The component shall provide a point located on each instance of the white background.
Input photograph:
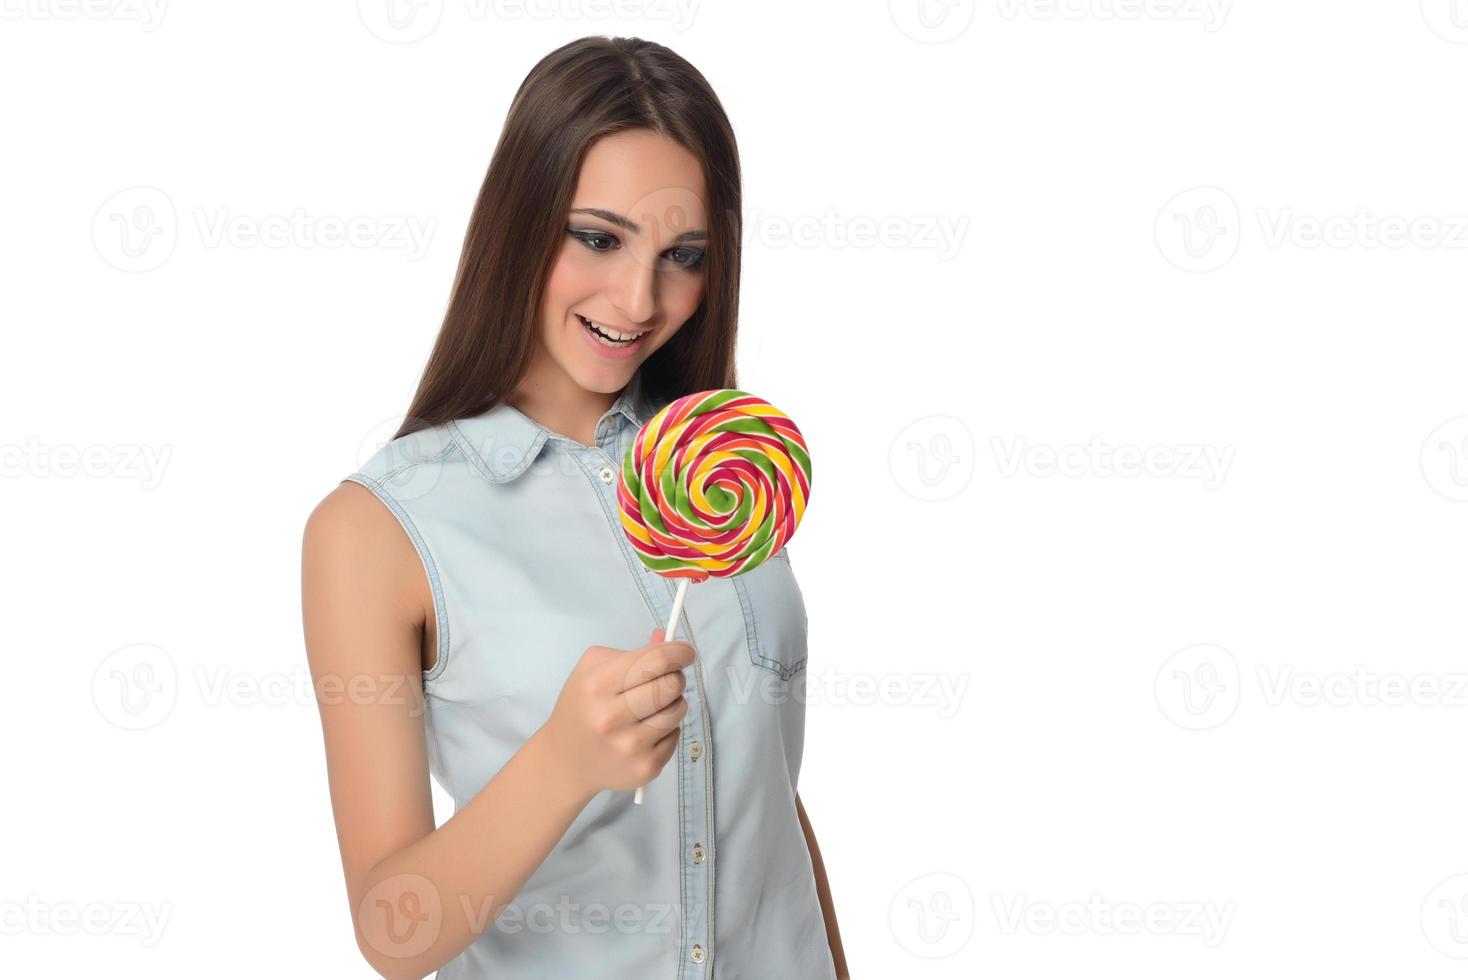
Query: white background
(1203, 719)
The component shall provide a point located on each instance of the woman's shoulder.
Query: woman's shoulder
(392, 462)
(358, 544)
(351, 522)
(357, 530)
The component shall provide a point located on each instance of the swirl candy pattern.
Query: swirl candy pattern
(713, 485)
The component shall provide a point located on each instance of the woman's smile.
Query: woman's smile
(610, 342)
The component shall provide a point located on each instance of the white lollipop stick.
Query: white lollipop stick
(668, 635)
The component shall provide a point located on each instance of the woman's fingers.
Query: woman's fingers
(647, 699)
(667, 719)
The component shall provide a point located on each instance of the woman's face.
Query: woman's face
(630, 261)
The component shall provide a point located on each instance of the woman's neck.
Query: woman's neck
(556, 401)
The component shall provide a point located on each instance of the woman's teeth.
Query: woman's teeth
(606, 335)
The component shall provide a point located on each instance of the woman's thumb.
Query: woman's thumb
(657, 635)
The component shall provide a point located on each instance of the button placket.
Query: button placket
(700, 802)
(695, 782)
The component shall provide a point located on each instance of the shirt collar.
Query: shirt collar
(502, 442)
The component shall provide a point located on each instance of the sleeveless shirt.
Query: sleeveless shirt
(518, 532)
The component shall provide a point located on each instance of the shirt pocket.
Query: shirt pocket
(775, 624)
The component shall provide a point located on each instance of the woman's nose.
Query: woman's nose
(633, 291)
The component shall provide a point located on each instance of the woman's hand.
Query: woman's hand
(617, 719)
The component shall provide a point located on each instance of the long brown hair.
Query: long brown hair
(580, 92)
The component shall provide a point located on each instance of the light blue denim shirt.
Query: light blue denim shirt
(710, 877)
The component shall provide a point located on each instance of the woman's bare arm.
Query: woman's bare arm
(419, 895)
(823, 889)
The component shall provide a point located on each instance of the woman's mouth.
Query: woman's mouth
(607, 338)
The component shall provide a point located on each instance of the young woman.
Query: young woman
(473, 609)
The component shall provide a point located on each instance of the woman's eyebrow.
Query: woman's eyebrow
(633, 226)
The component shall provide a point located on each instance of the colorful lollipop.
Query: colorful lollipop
(713, 485)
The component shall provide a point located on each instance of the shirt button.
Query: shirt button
(695, 750)
(698, 854)
(697, 953)
(607, 474)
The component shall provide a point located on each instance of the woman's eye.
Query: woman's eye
(589, 238)
(691, 257)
